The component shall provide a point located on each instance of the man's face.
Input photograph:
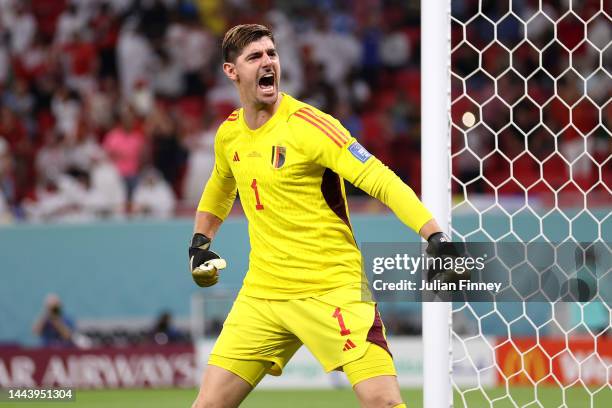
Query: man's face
(256, 72)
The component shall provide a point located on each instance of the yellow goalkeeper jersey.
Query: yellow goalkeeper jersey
(289, 173)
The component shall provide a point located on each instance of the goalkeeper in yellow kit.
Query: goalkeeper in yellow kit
(288, 160)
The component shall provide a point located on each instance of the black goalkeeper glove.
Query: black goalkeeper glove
(440, 246)
(204, 263)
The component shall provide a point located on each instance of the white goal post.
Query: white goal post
(435, 185)
(516, 108)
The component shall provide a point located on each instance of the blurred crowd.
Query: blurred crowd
(108, 108)
(537, 74)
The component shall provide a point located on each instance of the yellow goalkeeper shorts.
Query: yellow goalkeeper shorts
(260, 336)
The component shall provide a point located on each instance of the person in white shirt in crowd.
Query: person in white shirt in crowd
(199, 141)
(69, 23)
(83, 148)
(22, 28)
(64, 198)
(193, 47)
(135, 57)
(168, 78)
(142, 98)
(285, 39)
(153, 196)
(66, 109)
(100, 104)
(52, 158)
(338, 52)
(108, 194)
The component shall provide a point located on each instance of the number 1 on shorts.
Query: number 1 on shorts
(343, 330)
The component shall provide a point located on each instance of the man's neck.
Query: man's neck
(256, 116)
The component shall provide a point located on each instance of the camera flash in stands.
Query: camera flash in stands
(468, 119)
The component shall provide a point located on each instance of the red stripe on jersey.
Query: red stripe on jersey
(233, 116)
(312, 122)
(325, 122)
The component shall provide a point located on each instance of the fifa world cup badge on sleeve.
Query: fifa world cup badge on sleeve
(359, 152)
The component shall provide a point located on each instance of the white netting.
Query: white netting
(534, 167)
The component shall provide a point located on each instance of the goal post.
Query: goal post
(436, 193)
(515, 115)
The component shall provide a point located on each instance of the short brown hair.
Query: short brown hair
(238, 37)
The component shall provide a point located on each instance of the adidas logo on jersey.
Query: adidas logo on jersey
(348, 345)
(236, 158)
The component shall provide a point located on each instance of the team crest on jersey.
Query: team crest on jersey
(278, 156)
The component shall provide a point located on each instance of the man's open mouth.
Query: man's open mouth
(266, 82)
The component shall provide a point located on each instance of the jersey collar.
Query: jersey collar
(270, 123)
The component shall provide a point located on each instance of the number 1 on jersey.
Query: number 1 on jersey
(343, 330)
(258, 205)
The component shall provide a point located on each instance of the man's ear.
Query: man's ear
(230, 71)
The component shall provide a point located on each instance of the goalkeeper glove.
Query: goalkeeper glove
(204, 263)
(439, 245)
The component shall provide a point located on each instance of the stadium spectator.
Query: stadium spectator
(168, 78)
(338, 52)
(106, 27)
(394, 48)
(64, 198)
(22, 28)
(100, 104)
(6, 184)
(141, 98)
(66, 108)
(5, 65)
(153, 196)
(52, 157)
(125, 146)
(69, 24)
(73, 61)
(135, 56)
(167, 153)
(54, 328)
(164, 332)
(199, 141)
(83, 148)
(81, 60)
(193, 48)
(108, 193)
(286, 38)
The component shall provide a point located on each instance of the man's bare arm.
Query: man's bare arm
(430, 227)
(206, 223)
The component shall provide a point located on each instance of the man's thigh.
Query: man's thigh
(374, 379)
(337, 327)
(380, 391)
(253, 342)
(221, 388)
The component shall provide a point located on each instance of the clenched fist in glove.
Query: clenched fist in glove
(440, 246)
(204, 263)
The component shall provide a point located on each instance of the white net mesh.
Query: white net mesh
(535, 166)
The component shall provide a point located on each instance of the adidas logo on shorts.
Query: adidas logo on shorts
(348, 345)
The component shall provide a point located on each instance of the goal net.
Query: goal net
(534, 166)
